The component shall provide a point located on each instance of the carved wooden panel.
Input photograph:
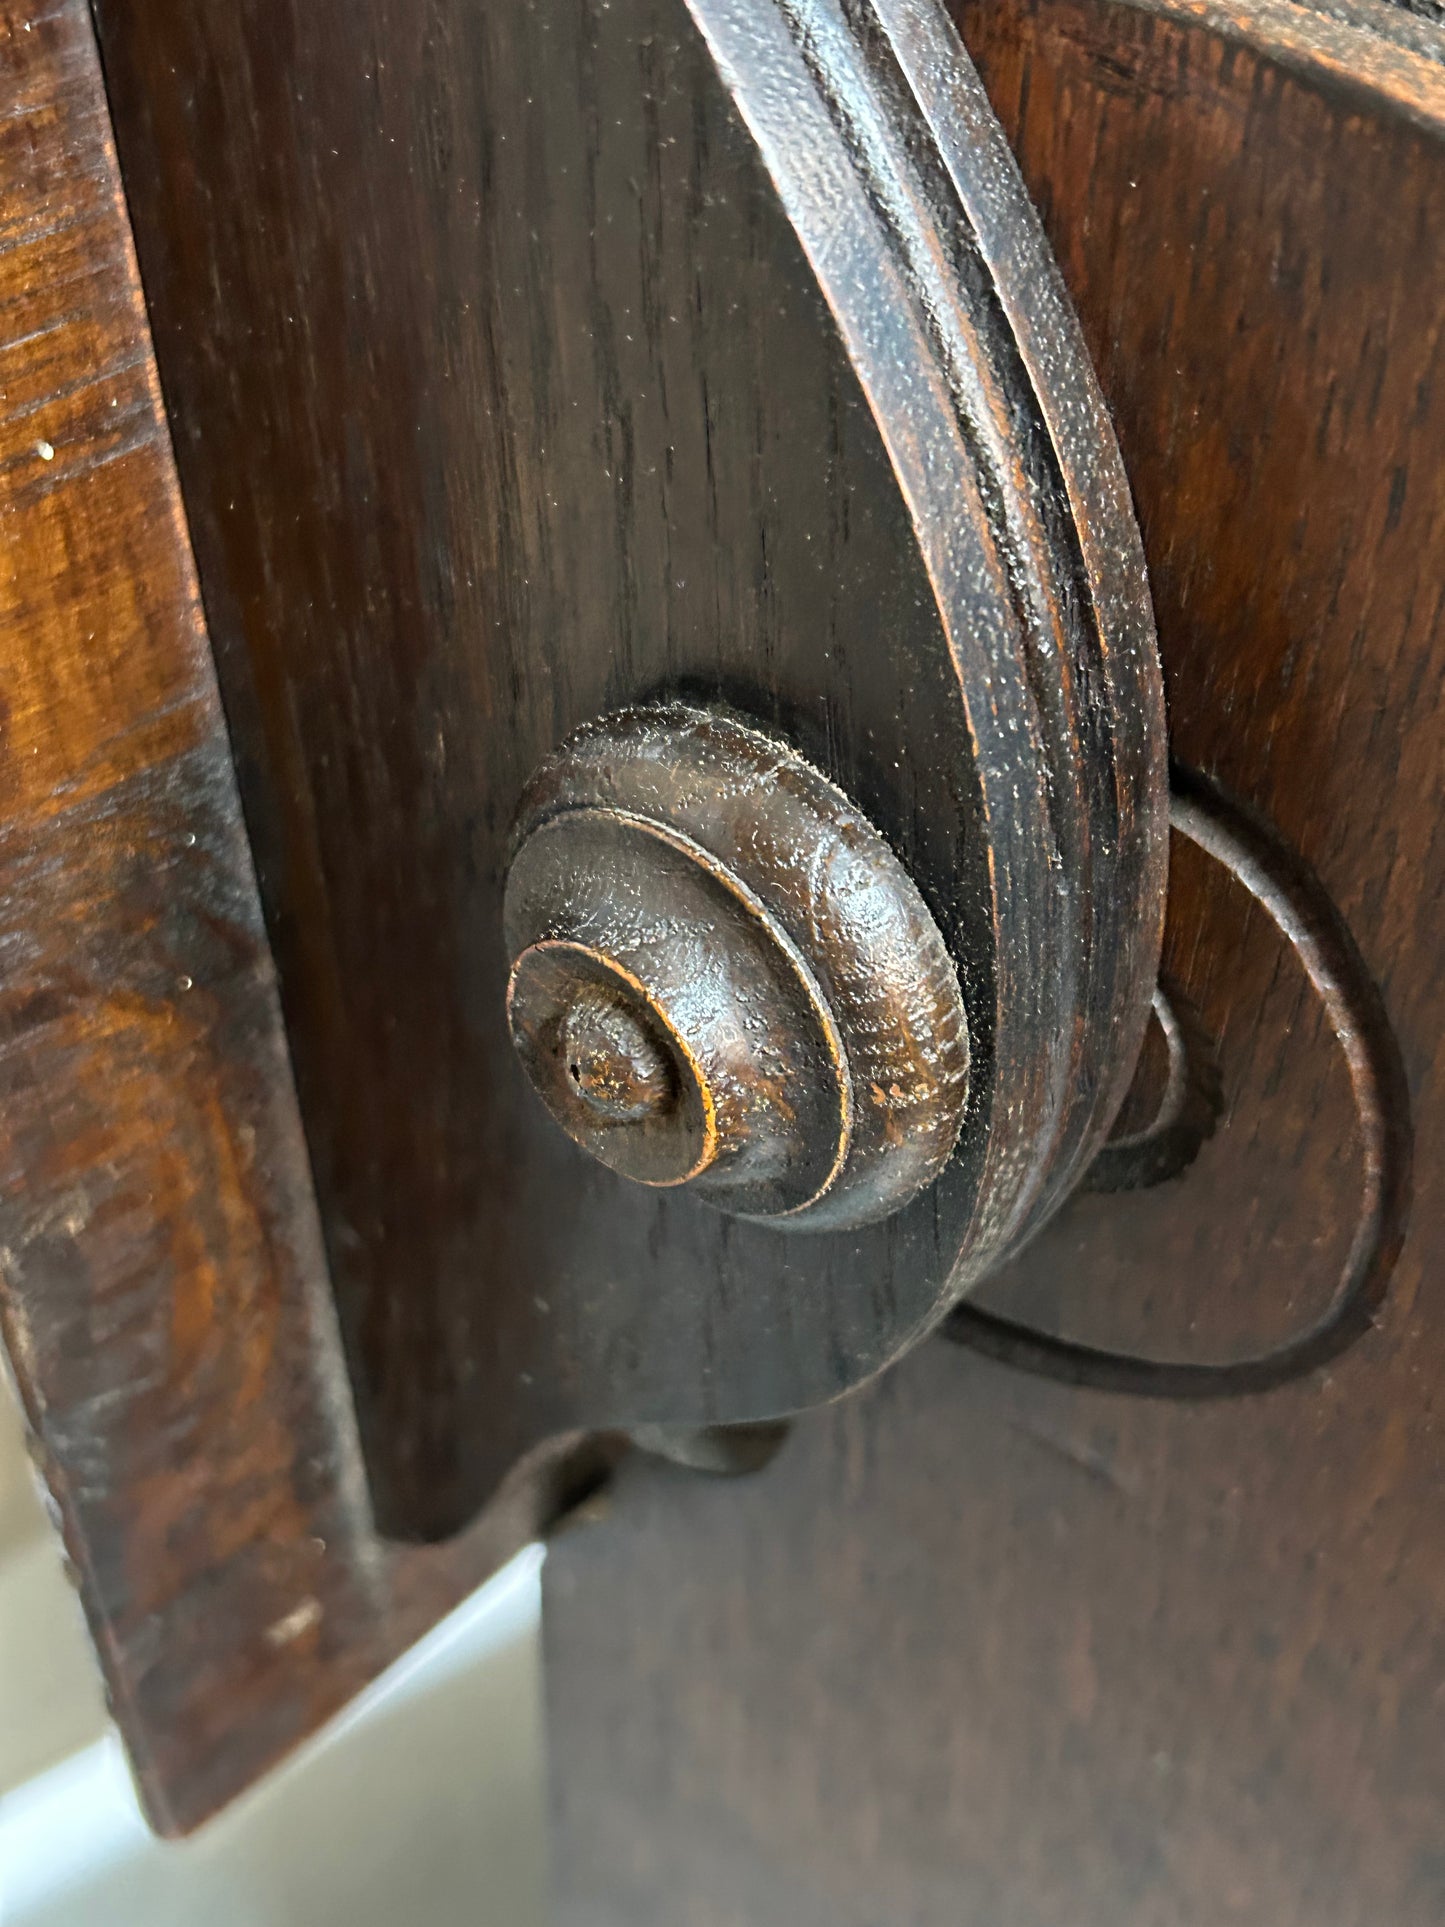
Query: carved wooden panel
(600, 355)
(890, 524)
(520, 369)
(981, 1645)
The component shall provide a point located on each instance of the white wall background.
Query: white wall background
(421, 1806)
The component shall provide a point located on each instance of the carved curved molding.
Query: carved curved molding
(731, 369)
(898, 181)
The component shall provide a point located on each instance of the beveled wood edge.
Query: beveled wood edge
(164, 1298)
(1366, 49)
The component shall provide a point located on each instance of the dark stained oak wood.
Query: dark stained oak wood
(1315, 1170)
(408, 625)
(432, 536)
(1289, 495)
(163, 1296)
(983, 1647)
(521, 368)
(976, 1641)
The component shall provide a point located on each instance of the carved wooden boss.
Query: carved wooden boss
(694, 695)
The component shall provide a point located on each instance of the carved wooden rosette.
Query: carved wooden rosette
(724, 977)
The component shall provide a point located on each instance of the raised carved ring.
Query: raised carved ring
(724, 978)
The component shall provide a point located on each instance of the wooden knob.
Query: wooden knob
(723, 977)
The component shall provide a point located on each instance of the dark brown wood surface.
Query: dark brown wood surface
(519, 370)
(693, 891)
(378, 584)
(976, 1641)
(983, 1647)
(163, 1296)
(489, 386)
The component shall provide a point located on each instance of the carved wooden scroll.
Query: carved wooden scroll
(634, 354)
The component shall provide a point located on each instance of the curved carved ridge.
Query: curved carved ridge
(1295, 901)
(1187, 1111)
(903, 193)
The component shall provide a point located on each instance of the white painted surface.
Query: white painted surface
(50, 1697)
(420, 1806)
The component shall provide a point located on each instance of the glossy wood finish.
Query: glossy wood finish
(980, 1646)
(520, 368)
(163, 1297)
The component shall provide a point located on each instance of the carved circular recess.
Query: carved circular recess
(724, 978)
(1271, 1019)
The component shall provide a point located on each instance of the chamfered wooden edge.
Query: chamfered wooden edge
(163, 1293)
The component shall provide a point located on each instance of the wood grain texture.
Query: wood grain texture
(440, 521)
(163, 1296)
(515, 376)
(982, 1647)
